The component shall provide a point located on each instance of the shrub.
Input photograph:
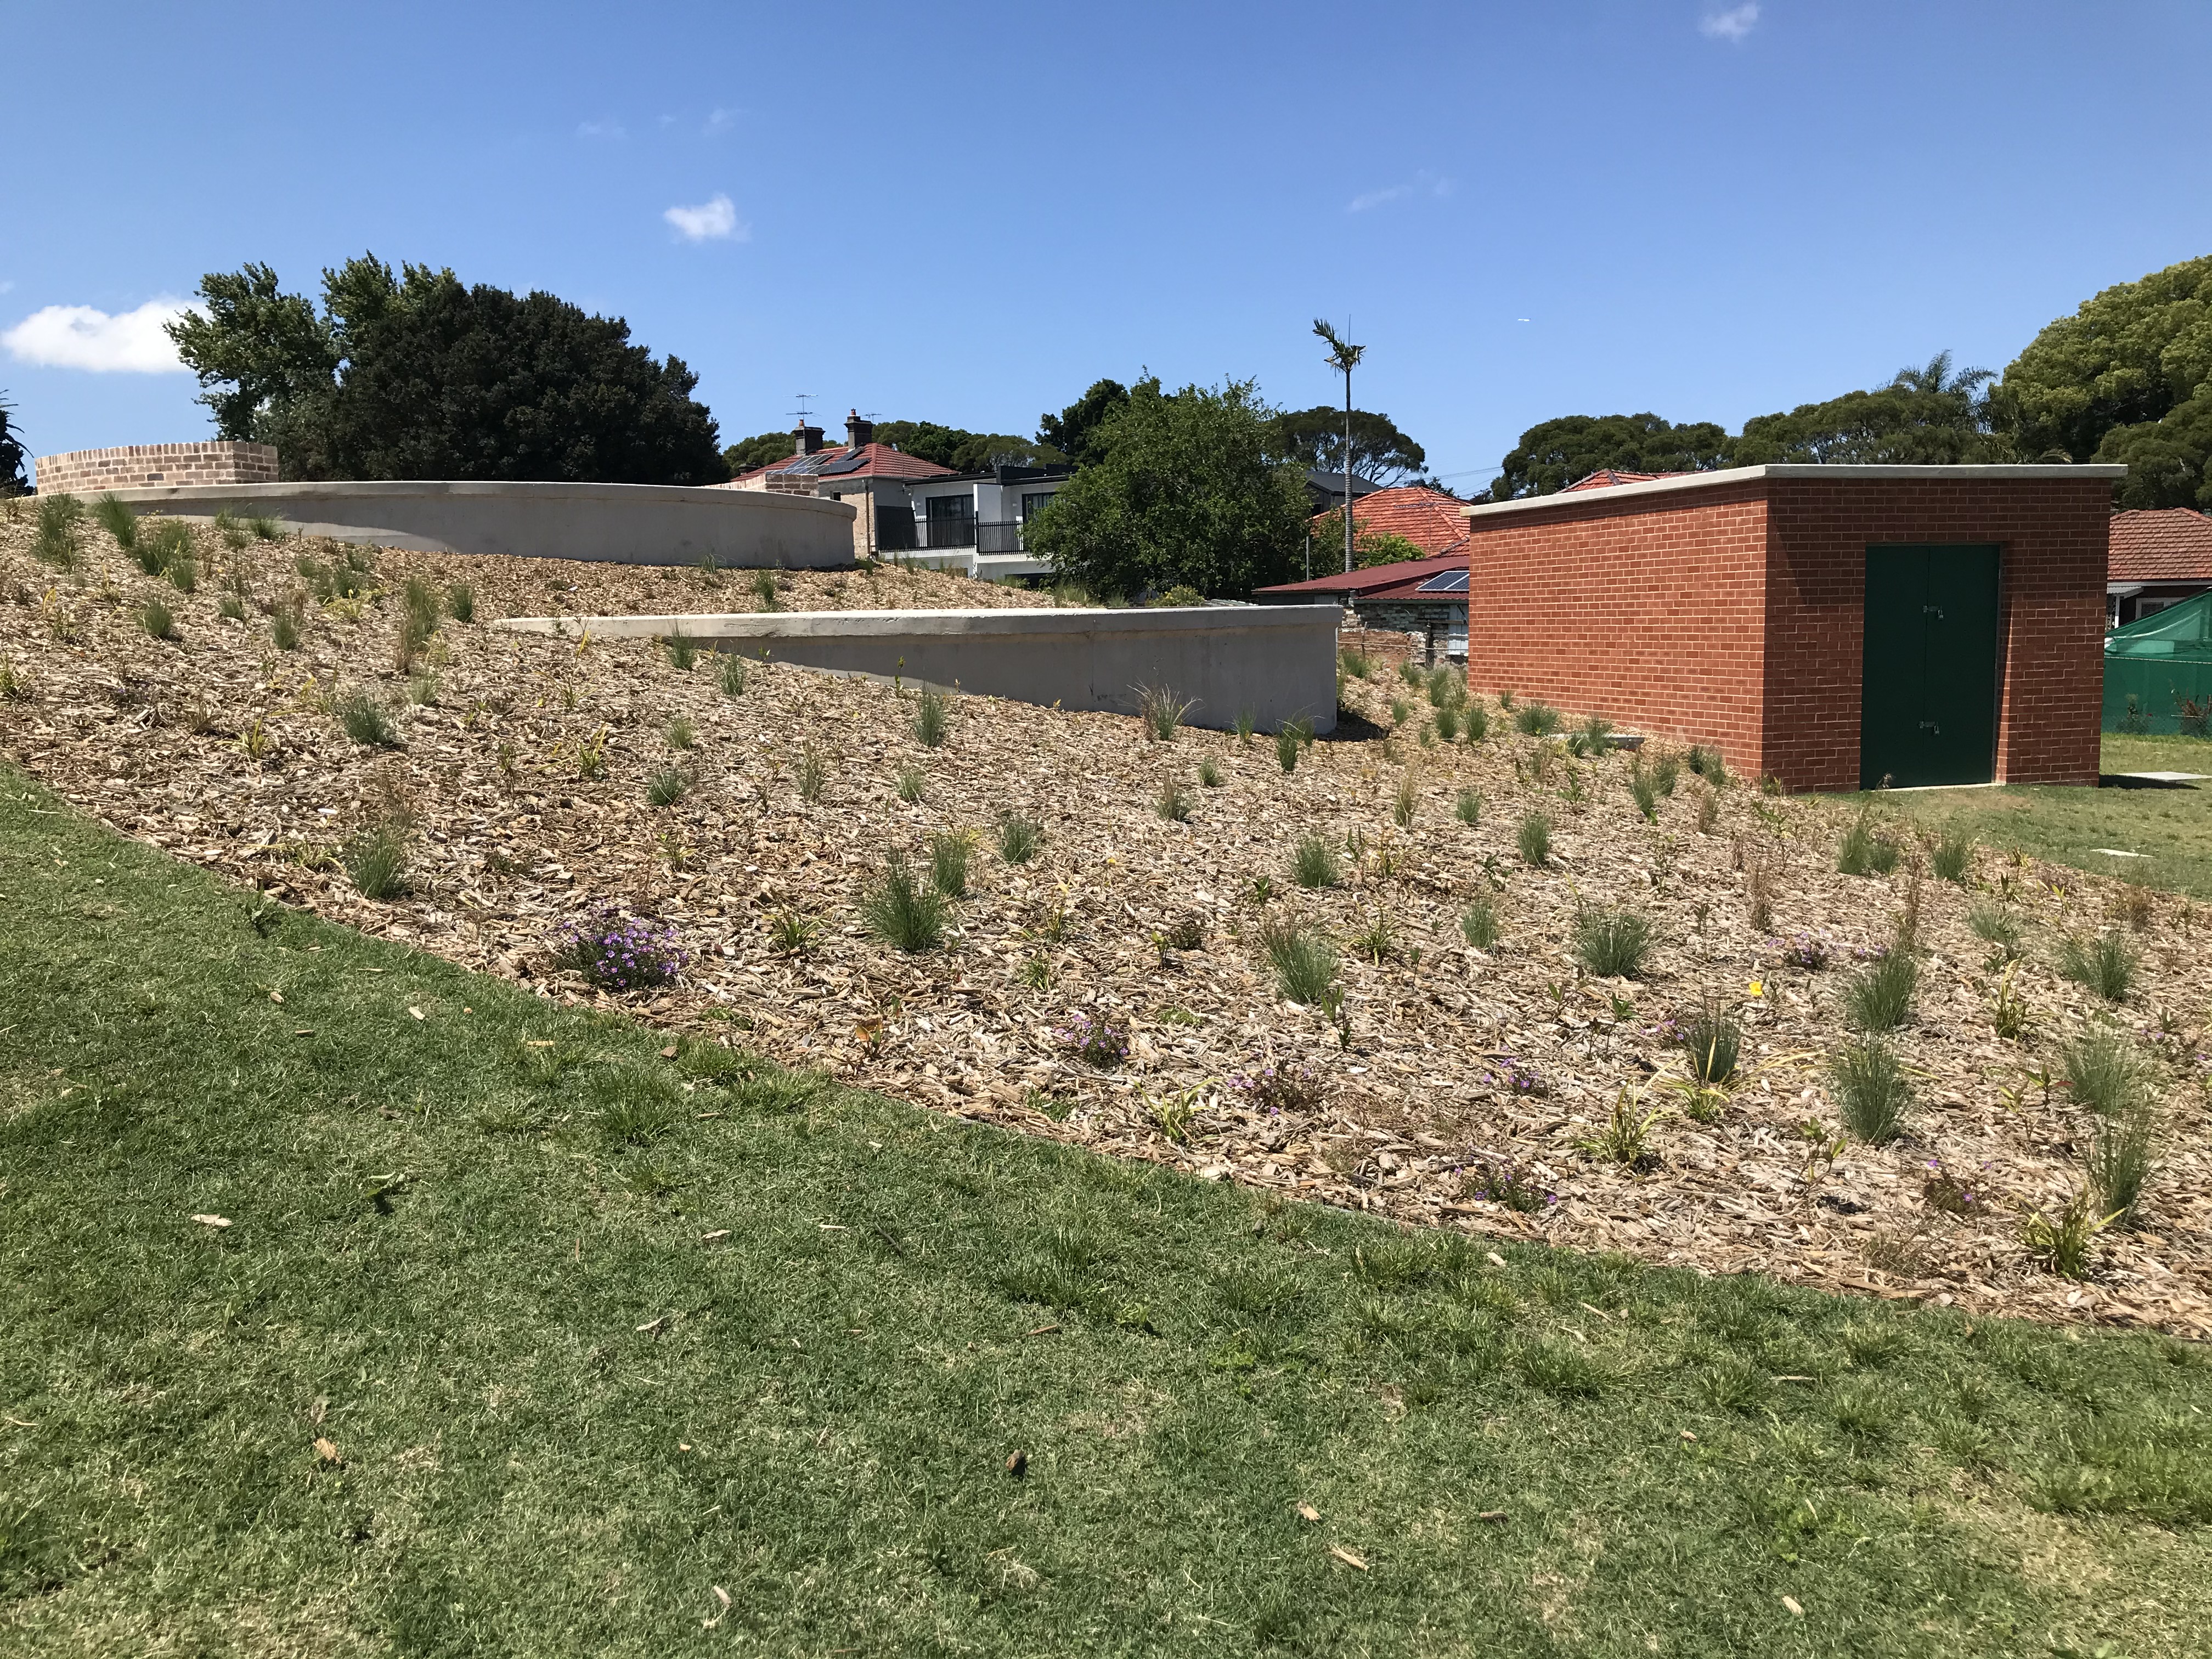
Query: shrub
(2104, 1075)
(732, 676)
(813, 773)
(153, 617)
(366, 721)
(1209, 774)
(683, 652)
(933, 717)
(1314, 862)
(1303, 960)
(1625, 1137)
(1162, 712)
(1094, 1042)
(1535, 839)
(1173, 803)
(376, 862)
(1406, 802)
(1478, 923)
(1880, 999)
(1865, 850)
(1181, 597)
(1611, 943)
(1019, 837)
(113, 514)
(1871, 1090)
(1287, 747)
(902, 912)
(1536, 719)
(667, 787)
(948, 862)
(1712, 1039)
(1808, 948)
(1951, 853)
(1502, 1182)
(2107, 965)
(1274, 1089)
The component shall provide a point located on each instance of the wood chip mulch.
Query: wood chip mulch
(1445, 1063)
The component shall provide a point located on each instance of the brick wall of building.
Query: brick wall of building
(82, 472)
(2050, 626)
(1649, 611)
(1735, 615)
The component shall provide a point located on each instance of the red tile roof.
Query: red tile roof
(875, 461)
(1379, 581)
(2161, 544)
(1427, 518)
(1606, 476)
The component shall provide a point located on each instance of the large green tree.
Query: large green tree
(1189, 490)
(1314, 438)
(1555, 453)
(1075, 431)
(417, 375)
(962, 450)
(758, 450)
(1931, 415)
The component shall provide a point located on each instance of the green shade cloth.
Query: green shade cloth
(2158, 671)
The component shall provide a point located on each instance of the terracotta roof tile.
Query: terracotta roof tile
(2161, 544)
(1427, 518)
(1606, 476)
(874, 461)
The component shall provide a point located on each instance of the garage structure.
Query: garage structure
(1837, 627)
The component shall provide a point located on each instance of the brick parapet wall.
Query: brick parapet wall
(219, 461)
(1649, 611)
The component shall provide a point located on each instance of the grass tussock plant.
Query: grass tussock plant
(54, 534)
(792, 933)
(1467, 806)
(2121, 1159)
(1019, 837)
(1951, 853)
(1479, 924)
(948, 862)
(1998, 925)
(682, 652)
(1626, 1135)
(813, 775)
(1866, 849)
(1287, 747)
(1209, 774)
(1705, 761)
(1534, 839)
(1173, 803)
(1644, 793)
(113, 514)
(730, 675)
(230, 608)
(1314, 862)
(1356, 664)
(1375, 939)
(153, 617)
(1871, 1092)
(1592, 739)
(635, 1105)
(1712, 1040)
(1474, 720)
(933, 717)
(902, 911)
(375, 861)
(1665, 771)
(766, 594)
(1879, 998)
(2105, 963)
(910, 784)
(2106, 1073)
(1536, 719)
(1162, 711)
(1611, 943)
(1303, 960)
(284, 626)
(681, 734)
(461, 603)
(667, 787)
(367, 721)
(1708, 812)
(1406, 802)
(2062, 1243)
(1447, 723)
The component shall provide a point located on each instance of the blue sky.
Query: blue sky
(967, 213)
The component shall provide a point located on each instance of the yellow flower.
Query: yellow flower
(1756, 987)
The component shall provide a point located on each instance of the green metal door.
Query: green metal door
(1928, 708)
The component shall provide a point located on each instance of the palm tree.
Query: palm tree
(12, 454)
(1345, 357)
(1937, 379)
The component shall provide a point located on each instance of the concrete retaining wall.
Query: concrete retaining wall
(1276, 662)
(613, 524)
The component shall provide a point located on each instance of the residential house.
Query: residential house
(914, 510)
(2159, 556)
(1423, 597)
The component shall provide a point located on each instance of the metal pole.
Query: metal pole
(1347, 469)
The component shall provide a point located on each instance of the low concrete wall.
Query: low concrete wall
(1276, 662)
(611, 523)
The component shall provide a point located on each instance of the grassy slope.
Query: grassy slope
(2173, 826)
(818, 1422)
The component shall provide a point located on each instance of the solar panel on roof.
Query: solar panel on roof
(1452, 582)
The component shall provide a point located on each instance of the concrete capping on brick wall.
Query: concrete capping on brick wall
(1733, 475)
(600, 523)
(1277, 662)
(217, 461)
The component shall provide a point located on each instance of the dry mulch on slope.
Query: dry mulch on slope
(1446, 1063)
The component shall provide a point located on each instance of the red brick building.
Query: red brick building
(1835, 626)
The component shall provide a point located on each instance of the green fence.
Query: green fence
(2158, 671)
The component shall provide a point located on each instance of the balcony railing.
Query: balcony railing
(934, 535)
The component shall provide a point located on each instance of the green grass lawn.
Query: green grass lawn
(588, 1335)
(2171, 827)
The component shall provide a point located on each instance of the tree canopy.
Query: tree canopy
(1926, 417)
(1189, 490)
(758, 450)
(1370, 547)
(419, 376)
(1555, 453)
(1074, 432)
(12, 480)
(1315, 438)
(962, 450)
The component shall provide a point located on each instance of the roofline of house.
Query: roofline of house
(1735, 474)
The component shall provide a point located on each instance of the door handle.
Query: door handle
(1930, 725)
(1934, 611)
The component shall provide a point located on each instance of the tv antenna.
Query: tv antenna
(801, 413)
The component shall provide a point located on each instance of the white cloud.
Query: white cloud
(710, 221)
(601, 129)
(1423, 183)
(721, 122)
(1732, 24)
(78, 336)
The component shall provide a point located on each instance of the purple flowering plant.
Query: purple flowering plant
(1517, 1077)
(1095, 1042)
(1808, 948)
(1277, 1088)
(617, 952)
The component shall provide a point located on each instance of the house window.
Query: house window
(952, 520)
(1033, 503)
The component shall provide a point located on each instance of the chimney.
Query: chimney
(805, 439)
(859, 432)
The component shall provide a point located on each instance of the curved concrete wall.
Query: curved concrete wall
(615, 524)
(1277, 662)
